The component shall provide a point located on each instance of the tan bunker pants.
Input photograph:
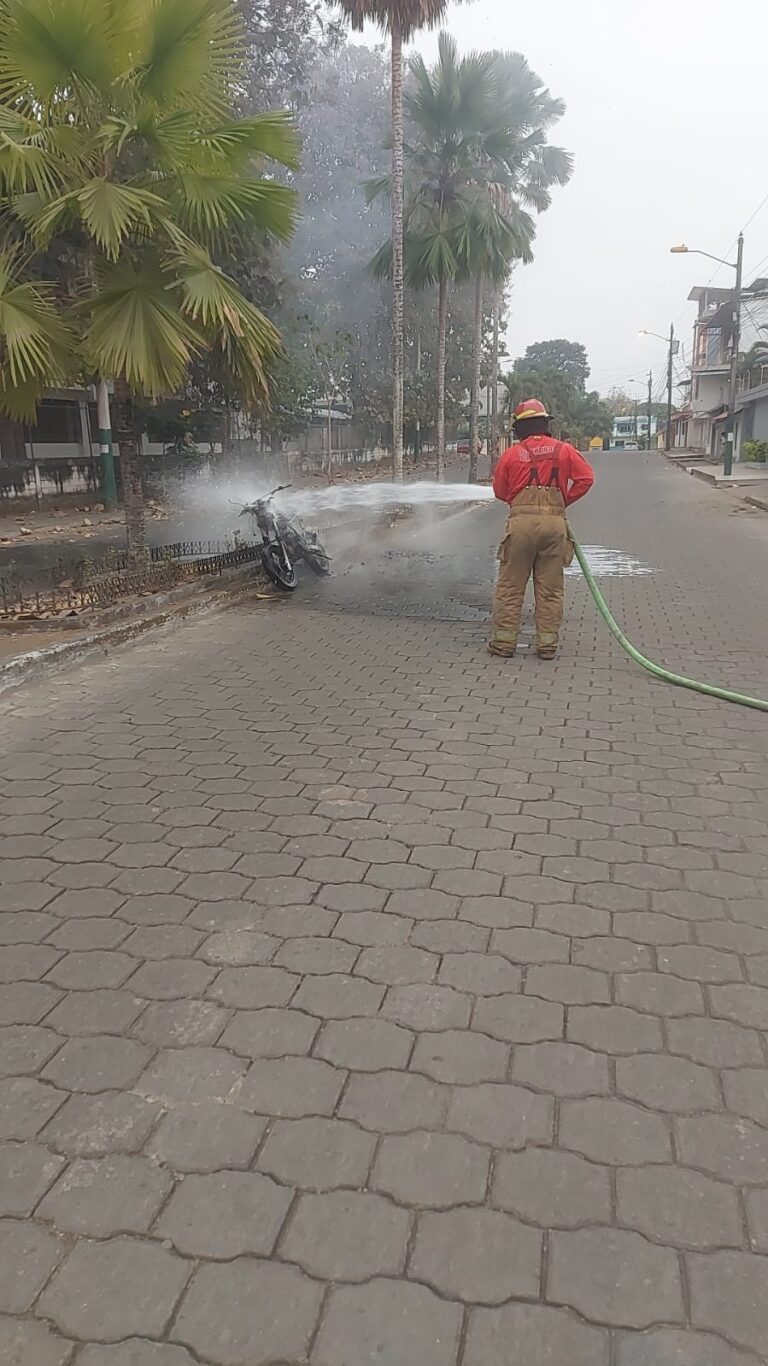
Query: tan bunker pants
(535, 542)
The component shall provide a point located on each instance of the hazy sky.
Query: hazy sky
(667, 119)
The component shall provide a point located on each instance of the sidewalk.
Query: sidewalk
(371, 1002)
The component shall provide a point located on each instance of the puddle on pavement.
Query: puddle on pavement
(608, 564)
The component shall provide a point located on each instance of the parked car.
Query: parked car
(462, 446)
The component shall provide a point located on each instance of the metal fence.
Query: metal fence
(66, 591)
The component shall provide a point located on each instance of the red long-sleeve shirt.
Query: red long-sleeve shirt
(575, 476)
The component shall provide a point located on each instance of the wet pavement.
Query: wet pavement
(368, 1000)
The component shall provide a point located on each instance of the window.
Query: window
(57, 420)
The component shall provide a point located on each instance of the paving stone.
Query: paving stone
(450, 936)
(614, 1277)
(496, 912)
(431, 1170)
(565, 1069)
(163, 941)
(206, 1137)
(26, 1106)
(482, 974)
(180, 1076)
(427, 1007)
(27, 927)
(612, 955)
(390, 1323)
(26, 1002)
(25, 1048)
(678, 1207)
(317, 1154)
(519, 1019)
(291, 1087)
(663, 1083)
(728, 1297)
(394, 1102)
(504, 1116)
(270, 1033)
(726, 1146)
(26, 1342)
(28, 1255)
(613, 1131)
(317, 955)
(110, 1290)
(715, 1043)
(531, 946)
(614, 1029)
(458, 1055)
(554, 1189)
(364, 1045)
(745, 1005)
(136, 1352)
(181, 1024)
(745, 1093)
(112, 1122)
(542, 1337)
(98, 1063)
(105, 1196)
(569, 984)
(700, 964)
(251, 987)
(248, 1313)
(225, 1214)
(679, 1347)
(156, 908)
(27, 962)
(171, 979)
(479, 1256)
(372, 928)
(756, 1203)
(337, 997)
(238, 948)
(347, 1236)
(95, 1012)
(350, 896)
(397, 965)
(26, 1172)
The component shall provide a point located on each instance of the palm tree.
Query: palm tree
(448, 111)
(118, 135)
(521, 168)
(401, 19)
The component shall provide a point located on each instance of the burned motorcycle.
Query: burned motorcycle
(285, 542)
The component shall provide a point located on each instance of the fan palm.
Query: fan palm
(117, 133)
(400, 19)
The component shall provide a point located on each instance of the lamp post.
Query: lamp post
(674, 346)
(736, 265)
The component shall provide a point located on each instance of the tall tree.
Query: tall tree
(118, 125)
(400, 19)
(570, 358)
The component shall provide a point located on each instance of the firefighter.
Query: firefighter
(539, 477)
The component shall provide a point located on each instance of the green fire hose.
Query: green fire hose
(656, 669)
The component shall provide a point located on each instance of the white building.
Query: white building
(630, 431)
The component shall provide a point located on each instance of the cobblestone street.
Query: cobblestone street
(367, 1000)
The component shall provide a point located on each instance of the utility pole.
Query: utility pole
(730, 437)
(650, 405)
(635, 418)
(668, 436)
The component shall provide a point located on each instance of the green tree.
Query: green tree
(118, 127)
(400, 19)
(570, 358)
(520, 169)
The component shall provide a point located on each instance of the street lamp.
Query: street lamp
(674, 347)
(736, 265)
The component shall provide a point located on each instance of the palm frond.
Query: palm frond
(409, 15)
(137, 329)
(235, 329)
(263, 135)
(49, 49)
(35, 346)
(212, 204)
(190, 48)
(111, 211)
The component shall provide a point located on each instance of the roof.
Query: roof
(701, 292)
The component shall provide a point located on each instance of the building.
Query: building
(630, 431)
(697, 426)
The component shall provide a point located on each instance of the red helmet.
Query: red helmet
(530, 407)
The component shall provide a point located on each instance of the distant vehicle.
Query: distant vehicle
(462, 447)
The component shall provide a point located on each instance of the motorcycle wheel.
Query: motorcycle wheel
(319, 564)
(278, 567)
